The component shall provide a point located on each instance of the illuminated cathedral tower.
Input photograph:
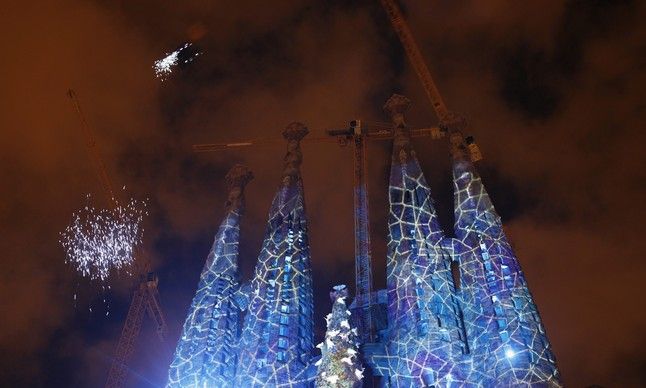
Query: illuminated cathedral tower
(206, 352)
(506, 338)
(276, 342)
(459, 310)
(426, 336)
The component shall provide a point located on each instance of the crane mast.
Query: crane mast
(449, 121)
(363, 266)
(145, 297)
(90, 142)
(146, 294)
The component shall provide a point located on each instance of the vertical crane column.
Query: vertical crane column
(126, 346)
(363, 267)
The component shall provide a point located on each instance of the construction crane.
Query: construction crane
(144, 298)
(90, 142)
(448, 120)
(415, 56)
(146, 295)
(358, 136)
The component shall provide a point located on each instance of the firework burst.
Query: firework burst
(183, 55)
(99, 241)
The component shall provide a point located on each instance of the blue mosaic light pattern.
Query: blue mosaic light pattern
(475, 327)
(276, 343)
(459, 310)
(508, 341)
(205, 354)
(426, 334)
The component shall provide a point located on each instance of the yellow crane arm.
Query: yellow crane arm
(99, 165)
(415, 57)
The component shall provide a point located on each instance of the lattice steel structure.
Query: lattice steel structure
(206, 354)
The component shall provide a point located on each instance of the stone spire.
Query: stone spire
(276, 341)
(505, 333)
(395, 107)
(293, 133)
(236, 180)
(419, 284)
(206, 354)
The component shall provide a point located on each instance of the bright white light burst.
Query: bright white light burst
(164, 67)
(99, 241)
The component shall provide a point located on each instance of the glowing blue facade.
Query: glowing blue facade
(206, 351)
(456, 310)
(507, 338)
(471, 325)
(426, 334)
(277, 337)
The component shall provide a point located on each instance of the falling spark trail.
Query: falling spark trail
(165, 66)
(99, 241)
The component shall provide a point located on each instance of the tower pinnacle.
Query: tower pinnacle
(396, 106)
(236, 180)
(204, 356)
(293, 133)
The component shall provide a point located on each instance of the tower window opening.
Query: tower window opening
(455, 273)
(407, 196)
(504, 335)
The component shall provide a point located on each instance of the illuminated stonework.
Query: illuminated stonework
(459, 312)
(426, 333)
(474, 326)
(206, 352)
(509, 344)
(276, 343)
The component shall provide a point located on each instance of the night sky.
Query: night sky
(552, 91)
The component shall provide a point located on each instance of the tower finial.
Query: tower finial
(236, 180)
(396, 106)
(293, 133)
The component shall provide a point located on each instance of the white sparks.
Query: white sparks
(165, 66)
(99, 241)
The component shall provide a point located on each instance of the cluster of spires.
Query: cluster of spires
(478, 329)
